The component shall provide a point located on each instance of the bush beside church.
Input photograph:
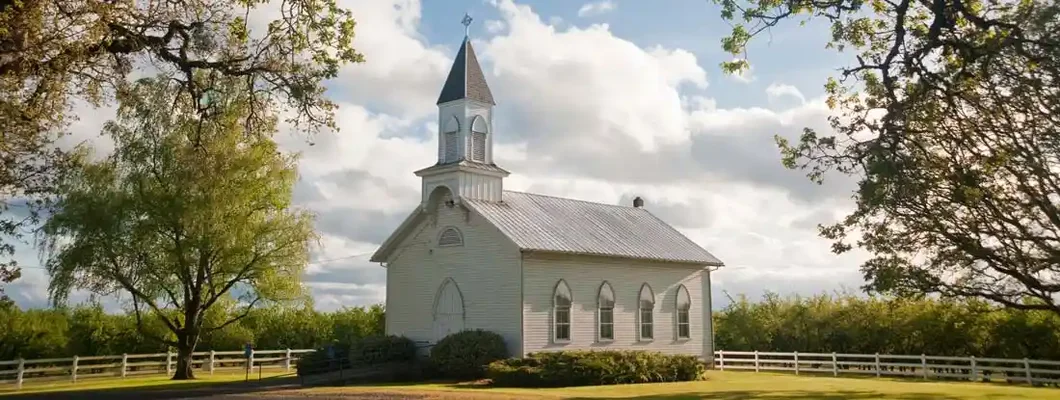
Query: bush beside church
(587, 368)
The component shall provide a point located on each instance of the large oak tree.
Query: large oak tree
(192, 209)
(55, 54)
(949, 116)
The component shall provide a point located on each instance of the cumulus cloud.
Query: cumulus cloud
(777, 91)
(596, 8)
(582, 113)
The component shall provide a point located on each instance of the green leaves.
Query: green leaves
(947, 118)
(191, 211)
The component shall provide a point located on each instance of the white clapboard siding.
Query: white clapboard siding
(585, 275)
(485, 269)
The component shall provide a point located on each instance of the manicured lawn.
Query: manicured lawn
(724, 386)
(718, 386)
(135, 382)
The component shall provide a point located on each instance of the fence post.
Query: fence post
(21, 372)
(124, 363)
(796, 363)
(974, 372)
(169, 363)
(250, 361)
(756, 360)
(1027, 367)
(835, 366)
(721, 359)
(287, 360)
(73, 370)
(923, 365)
(877, 365)
(211, 362)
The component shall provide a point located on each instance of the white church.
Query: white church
(546, 273)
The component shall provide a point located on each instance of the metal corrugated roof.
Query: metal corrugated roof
(553, 224)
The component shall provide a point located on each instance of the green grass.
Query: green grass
(718, 386)
(734, 385)
(158, 381)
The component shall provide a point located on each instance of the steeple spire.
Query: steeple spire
(466, 80)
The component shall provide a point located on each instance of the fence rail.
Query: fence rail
(922, 366)
(124, 365)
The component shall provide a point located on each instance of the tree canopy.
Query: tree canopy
(192, 209)
(61, 53)
(950, 118)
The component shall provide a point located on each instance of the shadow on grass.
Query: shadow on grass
(182, 390)
(786, 395)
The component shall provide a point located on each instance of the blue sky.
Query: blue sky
(623, 100)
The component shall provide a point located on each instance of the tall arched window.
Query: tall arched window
(561, 304)
(478, 139)
(452, 140)
(646, 308)
(684, 303)
(606, 313)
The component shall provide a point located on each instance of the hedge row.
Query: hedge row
(584, 368)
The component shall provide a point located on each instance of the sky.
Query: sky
(600, 101)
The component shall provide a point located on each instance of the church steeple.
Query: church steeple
(466, 80)
(465, 138)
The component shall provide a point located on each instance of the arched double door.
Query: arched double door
(448, 310)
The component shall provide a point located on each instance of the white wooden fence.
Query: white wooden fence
(917, 366)
(75, 368)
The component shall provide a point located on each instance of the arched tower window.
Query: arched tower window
(450, 237)
(452, 139)
(606, 313)
(479, 130)
(561, 306)
(646, 313)
(684, 304)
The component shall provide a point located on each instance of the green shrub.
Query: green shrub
(464, 355)
(318, 361)
(380, 349)
(582, 368)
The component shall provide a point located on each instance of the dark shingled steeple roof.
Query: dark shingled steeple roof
(466, 80)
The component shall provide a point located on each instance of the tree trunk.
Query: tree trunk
(185, 348)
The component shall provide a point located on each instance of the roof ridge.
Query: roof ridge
(577, 200)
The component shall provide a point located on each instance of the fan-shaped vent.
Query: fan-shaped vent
(450, 237)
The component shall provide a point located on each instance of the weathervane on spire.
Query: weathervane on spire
(467, 23)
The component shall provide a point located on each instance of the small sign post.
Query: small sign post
(248, 352)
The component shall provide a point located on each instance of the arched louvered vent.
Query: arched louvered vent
(451, 237)
(478, 146)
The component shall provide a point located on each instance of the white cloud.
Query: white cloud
(777, 91)
(582, 113)
(596, 8)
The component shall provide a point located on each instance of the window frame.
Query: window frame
(600, 313)
(641, 324)
(556, 324)
(678, 311)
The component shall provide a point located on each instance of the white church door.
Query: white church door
(448, 310)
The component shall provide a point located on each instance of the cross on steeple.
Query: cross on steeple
(467, 23)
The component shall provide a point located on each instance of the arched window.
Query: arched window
(606, 313)
(478, 139)
(561, 305)
(450, 237)
(646, 308)
(684, 303)
(452, 139)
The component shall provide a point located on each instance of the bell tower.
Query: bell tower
(465, 138)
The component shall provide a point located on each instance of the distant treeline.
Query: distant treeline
(852, 324)
(88, 330)
(840, 323)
